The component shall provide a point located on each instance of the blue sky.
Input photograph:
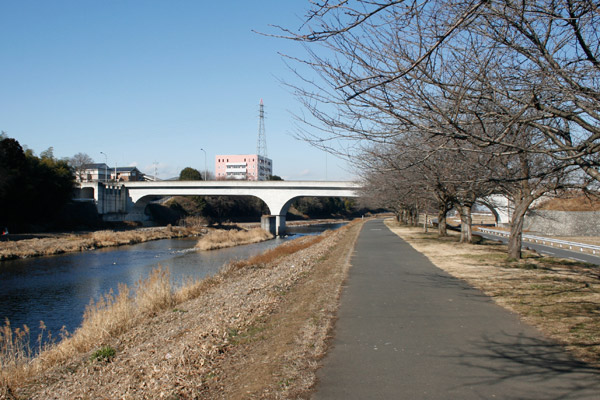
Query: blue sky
(150, 81)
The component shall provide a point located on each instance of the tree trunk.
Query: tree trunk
(466, 232)
(442, 212)
(415, 216)
(515, 240)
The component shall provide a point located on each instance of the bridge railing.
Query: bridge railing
(563, 244)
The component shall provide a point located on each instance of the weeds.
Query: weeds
(237, 336)
(15, 349)
(103, 354)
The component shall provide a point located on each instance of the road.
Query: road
(408, 330)
(549, 250)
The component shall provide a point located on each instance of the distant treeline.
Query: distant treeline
(33, 190)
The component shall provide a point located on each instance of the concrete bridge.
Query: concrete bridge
(128, 200)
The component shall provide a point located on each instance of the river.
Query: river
(57, 289)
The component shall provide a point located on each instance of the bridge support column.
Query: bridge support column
(267, 222)
(275, 224)
(280, 224)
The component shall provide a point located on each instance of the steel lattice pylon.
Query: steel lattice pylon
(261, 146)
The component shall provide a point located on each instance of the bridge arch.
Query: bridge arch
(499, 205)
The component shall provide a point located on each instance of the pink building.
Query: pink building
(250, 167)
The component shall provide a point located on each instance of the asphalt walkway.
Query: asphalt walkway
(408, 330)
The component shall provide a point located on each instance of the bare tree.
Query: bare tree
(440, 176)
(386, 64)
(79, 162)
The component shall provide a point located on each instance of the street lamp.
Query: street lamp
(105, 167)
(204, 164)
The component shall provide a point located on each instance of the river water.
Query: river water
(57, 289)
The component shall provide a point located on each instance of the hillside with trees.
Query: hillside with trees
(33, 190)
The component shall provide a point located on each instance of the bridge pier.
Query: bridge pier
(275, 224)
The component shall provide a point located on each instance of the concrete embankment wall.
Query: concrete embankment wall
(563, 223)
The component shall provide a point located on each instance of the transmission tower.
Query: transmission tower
(261, 146)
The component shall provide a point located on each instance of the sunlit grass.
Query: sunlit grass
(219, 239)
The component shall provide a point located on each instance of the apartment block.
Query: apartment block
(250, 167)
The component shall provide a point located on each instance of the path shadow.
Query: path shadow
(543, 368)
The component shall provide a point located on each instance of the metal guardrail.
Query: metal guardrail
(547, 241)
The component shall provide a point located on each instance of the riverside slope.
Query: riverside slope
(255, 330)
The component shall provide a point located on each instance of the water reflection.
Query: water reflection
(57, 289)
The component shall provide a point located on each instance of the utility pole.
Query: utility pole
(204, 164)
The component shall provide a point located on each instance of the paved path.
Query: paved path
(408, 330)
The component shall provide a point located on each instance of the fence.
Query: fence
(564, 244)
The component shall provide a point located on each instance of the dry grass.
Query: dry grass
(110, 316)
(205, 339)
(574, 202)
(219, 239)
(280, 251)
(559, 297)
(73, 243)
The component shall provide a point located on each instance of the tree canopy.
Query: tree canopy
(190, 174)
(33, 189)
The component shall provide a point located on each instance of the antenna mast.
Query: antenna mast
(261, 146)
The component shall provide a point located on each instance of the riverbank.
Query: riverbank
(53, 244)
(68, 243)
(257, 329)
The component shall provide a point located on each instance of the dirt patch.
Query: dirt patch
(256, 330)
(559, 297)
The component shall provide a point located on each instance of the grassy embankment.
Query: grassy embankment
(256, 328)
(219, 239)
(559, 297)
(90, 241)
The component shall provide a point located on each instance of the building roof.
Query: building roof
(95, 166)
(126, 169)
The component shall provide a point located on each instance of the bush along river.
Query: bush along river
(57, 289)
